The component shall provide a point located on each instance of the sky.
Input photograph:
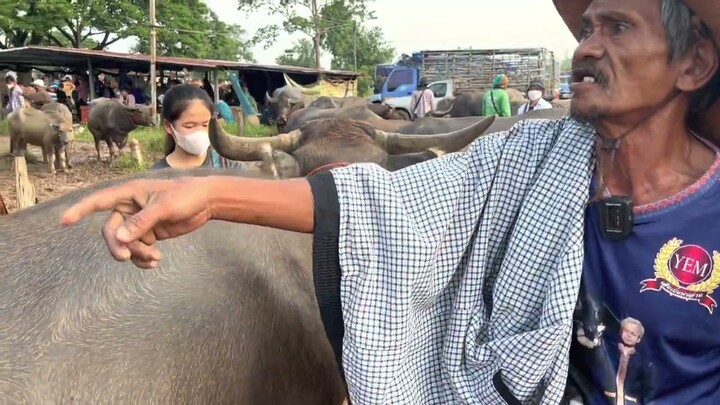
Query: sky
(411, 26)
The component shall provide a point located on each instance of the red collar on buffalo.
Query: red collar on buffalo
(329, 166)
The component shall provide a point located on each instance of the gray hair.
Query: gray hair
(677, 18)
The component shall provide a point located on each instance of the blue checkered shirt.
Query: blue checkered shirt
(460, 274)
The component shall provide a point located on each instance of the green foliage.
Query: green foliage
(69, 23)
(190, 29)
(301, 54)
(343, 41)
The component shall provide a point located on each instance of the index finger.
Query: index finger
(101, 200)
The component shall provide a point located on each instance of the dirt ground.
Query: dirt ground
(86, 171)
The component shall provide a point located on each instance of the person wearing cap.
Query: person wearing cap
(16, 98)
(467, 278)
(422, 100)
(496, 100)
(536, 102)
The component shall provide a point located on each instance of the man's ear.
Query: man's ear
(700, 65)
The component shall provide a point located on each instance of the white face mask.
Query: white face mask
(534, 95)
(195, 143)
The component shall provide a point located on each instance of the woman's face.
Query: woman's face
(196, 117)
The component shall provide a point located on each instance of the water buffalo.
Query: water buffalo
(471, 104)
(382, 110)
(46, 129)
(360, 113)
(64, 111)
(284, 101)
(222, 321)
(432, 125)
(326, 142)
(111, 122)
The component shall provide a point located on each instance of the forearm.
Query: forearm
(281, 204)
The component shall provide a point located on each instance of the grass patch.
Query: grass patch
(152, 140)
(152, 143)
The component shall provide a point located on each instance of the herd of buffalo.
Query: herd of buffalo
(230, 317)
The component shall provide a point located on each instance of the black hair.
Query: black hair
(677, 18)
(176, 101)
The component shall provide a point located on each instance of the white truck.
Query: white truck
(455, 71)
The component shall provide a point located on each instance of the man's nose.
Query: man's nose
(591, 47)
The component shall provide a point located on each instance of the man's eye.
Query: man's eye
(620, 27)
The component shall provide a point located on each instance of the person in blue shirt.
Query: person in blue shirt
(454, 280)
(224, 111)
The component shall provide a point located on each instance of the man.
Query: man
(536, 102)
(457, 278)
(496, 101)
(422, 100)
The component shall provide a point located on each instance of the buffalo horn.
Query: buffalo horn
(395, 143)
(441, 114)
(269, 99)
(242, 148)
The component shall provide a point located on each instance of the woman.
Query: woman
(186, 114)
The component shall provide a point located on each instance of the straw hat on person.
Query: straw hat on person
(709, 13)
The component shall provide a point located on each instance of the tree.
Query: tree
(353, 46)
(93, 24)
(301, 54)
(190, 29)
(304, 16)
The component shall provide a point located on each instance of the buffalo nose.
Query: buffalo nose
(282, 120)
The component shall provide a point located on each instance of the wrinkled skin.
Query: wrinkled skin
(221, 321)
(360, 113)
(324, 142)
(471, 104)
(67, 126)
(382, 110)
(432, 125)
(46, 129)
(111, 122)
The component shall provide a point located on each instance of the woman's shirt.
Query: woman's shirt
(212, 159)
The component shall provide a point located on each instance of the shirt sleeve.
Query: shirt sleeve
(326, 265)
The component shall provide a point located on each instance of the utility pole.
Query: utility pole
(316, 35)
(153, 60)
(355, 43)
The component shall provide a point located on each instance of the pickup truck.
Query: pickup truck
(440, 89)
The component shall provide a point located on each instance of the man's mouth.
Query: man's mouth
(587, 74)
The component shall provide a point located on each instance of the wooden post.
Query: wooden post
(136, 152)
(24, 190)
(239, 119)
(153, 63)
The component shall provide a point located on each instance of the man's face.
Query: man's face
(621, 66)
(630, 334)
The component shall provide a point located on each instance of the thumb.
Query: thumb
(141, 223)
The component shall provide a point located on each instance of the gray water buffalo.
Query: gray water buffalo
(380, 109)
(46, 129)
(229, 317)
(64, 111)
(471, 104)
(432, 125)
(284, 101)
(111, 122)
(361, 113)
(327, 142)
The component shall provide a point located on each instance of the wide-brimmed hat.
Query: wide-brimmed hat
(709, 13)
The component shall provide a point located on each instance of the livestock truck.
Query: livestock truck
(451, 72)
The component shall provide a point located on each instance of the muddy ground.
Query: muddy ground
(86, 171)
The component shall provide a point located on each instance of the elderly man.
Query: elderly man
(535, 101)
(456, 280)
